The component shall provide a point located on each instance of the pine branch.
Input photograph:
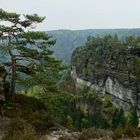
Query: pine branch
(24, 69)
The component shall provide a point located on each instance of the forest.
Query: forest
(93, 96)
(69, 40)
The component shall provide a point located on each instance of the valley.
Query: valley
(68, 84)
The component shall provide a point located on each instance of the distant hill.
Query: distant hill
(68, 40)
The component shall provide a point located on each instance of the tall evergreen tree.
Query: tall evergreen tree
(27, 51)
(134, 120)
(119, 119)
(134, 67)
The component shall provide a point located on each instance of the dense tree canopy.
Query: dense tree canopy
(110, 56)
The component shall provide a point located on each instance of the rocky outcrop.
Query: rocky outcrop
(109, 66)
(120, 96)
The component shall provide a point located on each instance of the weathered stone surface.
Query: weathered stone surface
(121, 97)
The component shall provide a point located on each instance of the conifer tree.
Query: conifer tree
(27, 51)
(134, 117)
(119, 119)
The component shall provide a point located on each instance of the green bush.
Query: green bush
(69, 122)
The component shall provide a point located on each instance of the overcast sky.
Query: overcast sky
(79, 14)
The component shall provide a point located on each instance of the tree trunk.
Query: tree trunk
(13, 77)
(13, 80)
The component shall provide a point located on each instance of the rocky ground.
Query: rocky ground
(62, 134)
(67, 135)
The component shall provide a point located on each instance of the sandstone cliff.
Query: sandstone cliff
(109, 66)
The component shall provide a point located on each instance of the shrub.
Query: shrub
(125, 132)
(41, 121)
(20, 130)
(30, 102)
(69, 122)
(94, 133)
(30, 109)
(119, 119)
(9, 110)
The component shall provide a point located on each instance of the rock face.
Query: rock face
(120, 96)
(109, 66)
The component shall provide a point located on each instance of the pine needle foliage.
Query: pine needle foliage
(28, 52)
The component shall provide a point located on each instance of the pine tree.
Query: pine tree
(119, 119)
(134, 118)
(28, 52)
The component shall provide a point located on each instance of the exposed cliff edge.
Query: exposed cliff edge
(120, 96)
(109, 66)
